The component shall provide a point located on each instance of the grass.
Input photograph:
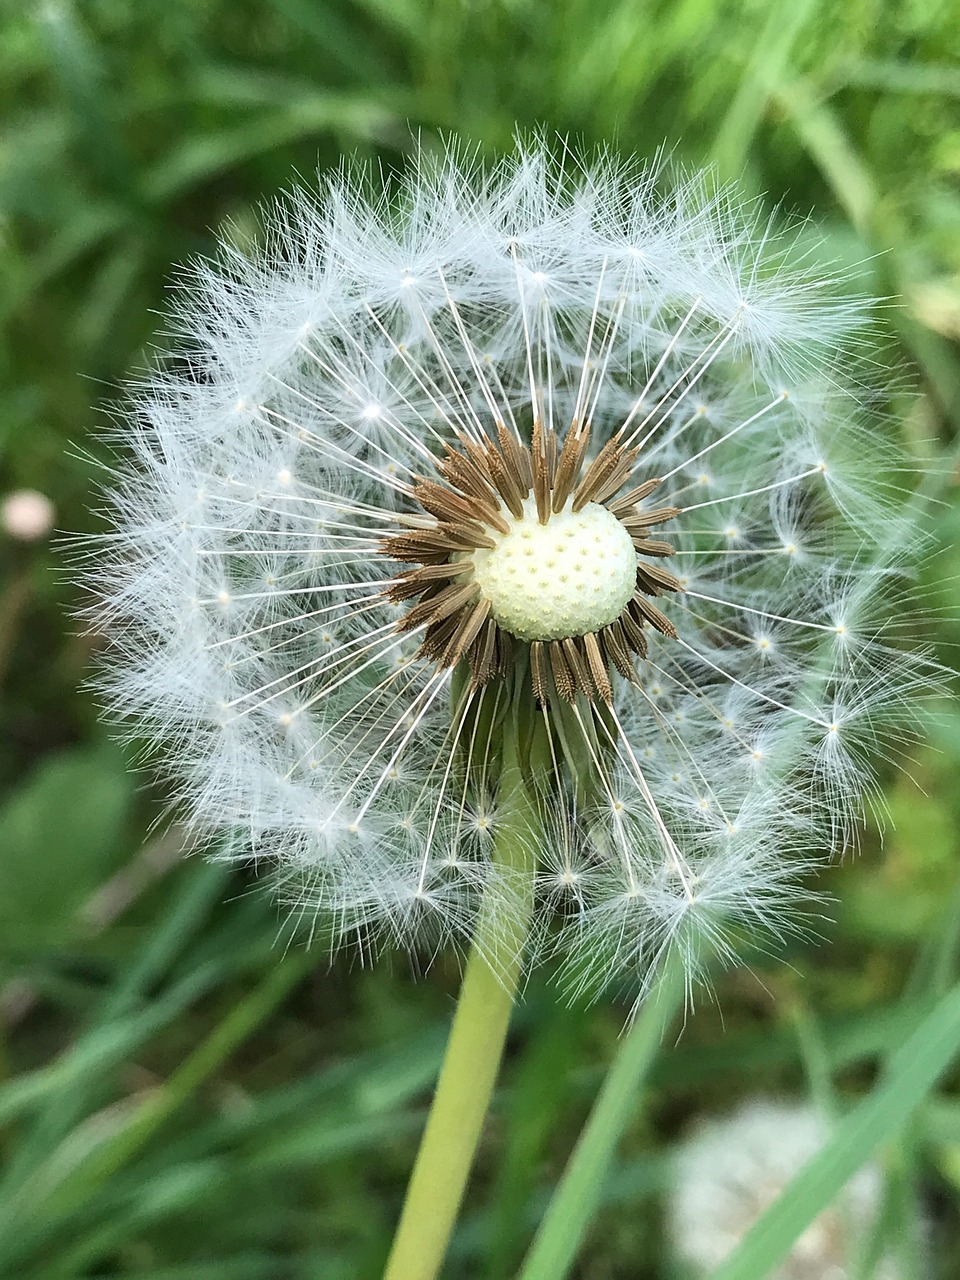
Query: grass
(179, 1098)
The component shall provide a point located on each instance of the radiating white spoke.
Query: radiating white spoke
(607, 783)
(537, 407)
(438, 681)
(496, 411)
(226, 553)
(745, 552)
(460, 394)
(321, 444)
(387, 418)
(700, 364)
(670, 439)
(355, 711)
(346, 460)
(353, 647)
(599, 375)
(457, 720)
(378, 369)
(371, 537)
(565, 827)
(378, 656)
(545, 362)
(330, 499)
(495, 375)
(750, 493)
(697, 367)
(579, 403)
(748, 422)
(426, 384)
(762, 613)
(676, 857)
(297, 636)
(689, 688)
(664, 357)
(756, 693)
(673, 739)
(378, 602)
(321, 589)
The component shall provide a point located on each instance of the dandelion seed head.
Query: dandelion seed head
(729, 1169)
(563, 452)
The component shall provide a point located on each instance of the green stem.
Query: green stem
(476, 1042)
(578, 1193)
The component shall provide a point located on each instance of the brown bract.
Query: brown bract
(486, 478)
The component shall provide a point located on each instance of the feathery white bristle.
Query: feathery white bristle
(729, 1169)
(240, 586)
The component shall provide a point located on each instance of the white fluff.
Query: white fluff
(240, 584)
(730, 1169)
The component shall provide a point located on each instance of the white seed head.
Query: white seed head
(567, 577)
(729, 1169)
(523, 442)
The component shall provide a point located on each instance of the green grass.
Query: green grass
(178, 1097)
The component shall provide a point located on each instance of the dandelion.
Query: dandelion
(731, 1168)
(506, 560)
(530, 451)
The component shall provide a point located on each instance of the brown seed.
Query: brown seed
(437, 636)
(483, 664)
(451, 507)
(649, 547)
(506, 482)
(599, 470)
(471, 621)
(578, 668)
(597, 666)
(516, 457)
(568, 468)
(562, 677)
(541, 473)
(538, 673)
(623, 506)
(641, 520)
(618, 650)
(465, 476)
(412, 582)
(641, 606)
(617, 478)
(656, 580)
(439, 603)
(633, 630)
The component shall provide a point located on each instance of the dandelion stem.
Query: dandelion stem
(475, 1046)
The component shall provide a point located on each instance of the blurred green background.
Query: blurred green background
(179, 1097)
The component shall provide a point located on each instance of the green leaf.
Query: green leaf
(200, 158)
(61, 835)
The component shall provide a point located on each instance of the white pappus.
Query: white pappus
(559, 447)
(729, 1169)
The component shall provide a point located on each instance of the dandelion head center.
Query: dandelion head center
(536, 544)
(573, 575)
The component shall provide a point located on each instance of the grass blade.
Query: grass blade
(911, 1073)
(578, 1193)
